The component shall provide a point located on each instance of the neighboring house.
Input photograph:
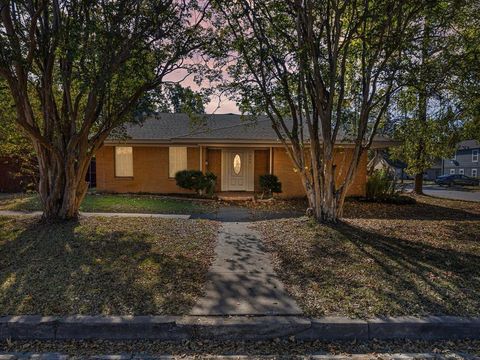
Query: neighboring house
(466, 160)
(236, 151)
(381, 161)
(434, 171)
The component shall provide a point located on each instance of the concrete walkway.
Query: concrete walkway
(241, 280)
(92, 214)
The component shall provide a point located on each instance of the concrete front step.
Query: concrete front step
(236, 196)
(239, 328)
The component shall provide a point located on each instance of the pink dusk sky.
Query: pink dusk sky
(217, 105)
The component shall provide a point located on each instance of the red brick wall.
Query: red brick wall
(150, 170)
(261, 167)
(291, 181)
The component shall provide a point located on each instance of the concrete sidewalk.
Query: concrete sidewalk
(92, 214)
(241, 280)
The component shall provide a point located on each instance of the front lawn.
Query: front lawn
(113, 203)
(383, 260)
(103, 265)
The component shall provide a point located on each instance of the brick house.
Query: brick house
(235, 150)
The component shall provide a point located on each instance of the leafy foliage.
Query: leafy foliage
(431, 108)
(196, 180)
(172, 99)
(15, 148)
(380, 185)
(422, 143)
(269, 184)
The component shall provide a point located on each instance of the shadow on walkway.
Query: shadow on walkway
(241, 280)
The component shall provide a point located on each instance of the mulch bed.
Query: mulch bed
(383, 260)
(108, 266)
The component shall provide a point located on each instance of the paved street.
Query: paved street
(454, 193)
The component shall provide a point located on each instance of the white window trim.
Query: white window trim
(476, 173)
(452, 171)
(474, 155)
(177, 160)
(461, 171)
(125, 171)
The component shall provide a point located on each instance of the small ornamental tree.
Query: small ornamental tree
(76, 70)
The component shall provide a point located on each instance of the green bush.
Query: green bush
(380, 185)
(197, 181)
(270, 184)
(210, 179)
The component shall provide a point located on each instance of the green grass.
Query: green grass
(108, 266)
(112, 203)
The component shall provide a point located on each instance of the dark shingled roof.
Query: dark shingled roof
(221, 126)
(166, 127)
(468, 144)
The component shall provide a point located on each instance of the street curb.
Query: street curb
(178, 328)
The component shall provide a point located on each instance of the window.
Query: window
(474, 173)
(237, 164)
(474, 155)
(452, 171)
(461, 171)
(177, 160)
(123, 161)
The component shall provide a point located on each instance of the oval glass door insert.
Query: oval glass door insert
(237, 164)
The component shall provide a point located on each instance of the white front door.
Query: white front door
(237, 170)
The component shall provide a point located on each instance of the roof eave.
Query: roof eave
(377, 144)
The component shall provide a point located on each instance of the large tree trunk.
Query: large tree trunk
(329, 200)
(418, 185)
(323, 198)
(62, 185)
(422, 111)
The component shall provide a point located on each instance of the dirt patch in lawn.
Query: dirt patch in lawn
(383, 260)
(103, 266)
